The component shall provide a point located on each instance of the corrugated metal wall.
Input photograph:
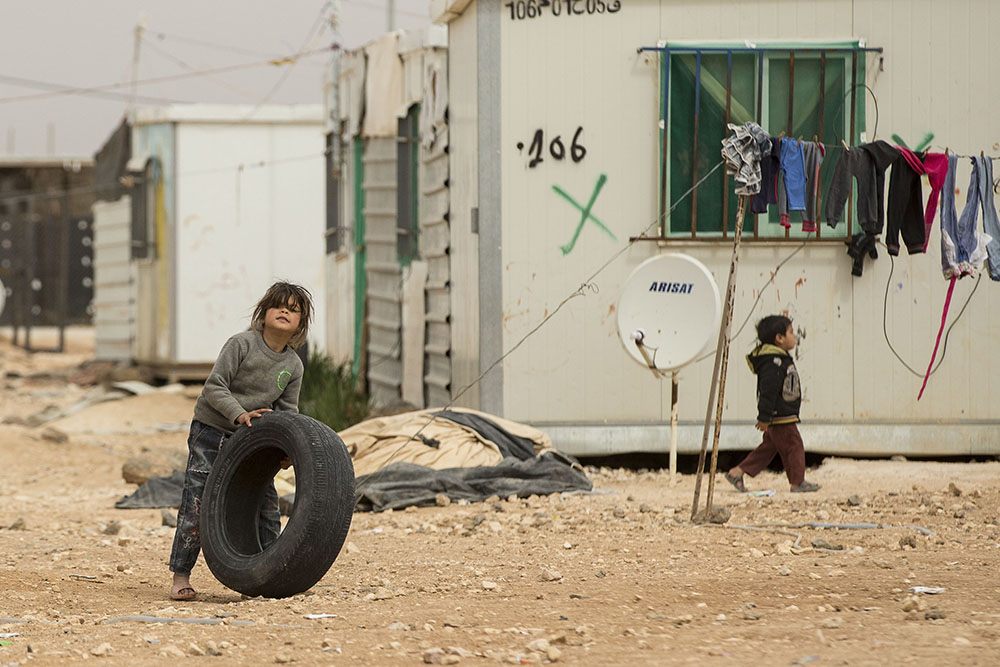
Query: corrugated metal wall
(435, 241)
(384, 318)
(574, 371)
(114, 321)
(340, 268)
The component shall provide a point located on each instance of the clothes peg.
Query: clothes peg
(781, 135)
(844, 144)
(815, 139)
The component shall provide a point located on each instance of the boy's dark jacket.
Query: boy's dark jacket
(779, 393)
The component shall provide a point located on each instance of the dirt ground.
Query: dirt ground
(619, 577)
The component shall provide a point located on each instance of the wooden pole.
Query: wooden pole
(719, 371)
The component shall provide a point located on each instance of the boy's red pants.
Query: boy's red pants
(785, 441)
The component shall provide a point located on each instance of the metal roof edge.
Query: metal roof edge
(15, 161)
(236, 114)
(446, 11)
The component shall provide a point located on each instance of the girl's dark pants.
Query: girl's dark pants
(203, 446)
(785, 441)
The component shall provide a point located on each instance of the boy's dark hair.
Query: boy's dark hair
(771, 327)
(282, 294)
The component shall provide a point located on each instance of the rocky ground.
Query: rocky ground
(619, 577)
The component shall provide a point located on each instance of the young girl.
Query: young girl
(257, 371)
(779, 394)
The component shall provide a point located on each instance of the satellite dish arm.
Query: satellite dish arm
(638, 336)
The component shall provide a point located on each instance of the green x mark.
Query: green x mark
(568, 248)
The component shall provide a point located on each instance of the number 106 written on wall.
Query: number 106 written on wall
(529, 9)
(556, 148)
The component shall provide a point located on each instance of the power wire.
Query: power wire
(191, 68)
(885, 331)
(160, 35)
(86, 90)
(30, 195)
(760, 293)
(310, 36)
(60, 89)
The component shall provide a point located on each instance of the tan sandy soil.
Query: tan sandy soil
(616, 578)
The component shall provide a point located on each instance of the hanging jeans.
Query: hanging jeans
(963, 247)
(991, 224)
(204, 443)
(793, 173)
(813, 157)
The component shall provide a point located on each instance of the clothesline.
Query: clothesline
(842, 146)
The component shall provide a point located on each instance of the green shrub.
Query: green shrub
(331, 393)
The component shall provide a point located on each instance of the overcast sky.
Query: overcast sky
(75, 43)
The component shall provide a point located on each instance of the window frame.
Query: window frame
(852, 56)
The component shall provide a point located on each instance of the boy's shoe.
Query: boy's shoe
(737, 482)
(806, 487)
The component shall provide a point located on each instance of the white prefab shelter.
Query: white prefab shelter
(227, 200)
(576, 126)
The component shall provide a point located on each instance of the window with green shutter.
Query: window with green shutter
(812, 92)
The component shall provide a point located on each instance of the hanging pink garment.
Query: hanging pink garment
(944, 318)
(936, 168)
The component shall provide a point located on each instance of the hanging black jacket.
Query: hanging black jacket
(779, 393)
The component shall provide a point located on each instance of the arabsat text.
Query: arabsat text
(679, 288)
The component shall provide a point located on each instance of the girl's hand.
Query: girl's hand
(762, 426)
(253, 414)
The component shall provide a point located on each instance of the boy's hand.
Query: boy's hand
(762, 426)
(253, 414)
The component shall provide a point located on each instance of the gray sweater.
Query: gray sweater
(248, 375)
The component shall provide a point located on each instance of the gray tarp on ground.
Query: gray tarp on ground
(400, 485)
(157, 492)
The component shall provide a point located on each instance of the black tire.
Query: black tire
(319, 520)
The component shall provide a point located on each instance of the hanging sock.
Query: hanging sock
(944, 318)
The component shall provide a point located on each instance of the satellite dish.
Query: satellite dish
(670, 306)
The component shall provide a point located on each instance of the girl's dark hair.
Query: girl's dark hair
(771, 327)
(282, 294)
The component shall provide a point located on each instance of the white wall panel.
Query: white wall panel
(240, 229)
(464, 192)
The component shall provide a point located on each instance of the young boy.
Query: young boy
(257, 371)
(779, 395)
